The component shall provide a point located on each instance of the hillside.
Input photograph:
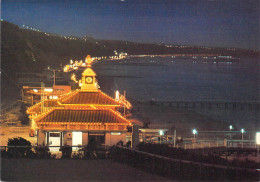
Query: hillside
(26, 50)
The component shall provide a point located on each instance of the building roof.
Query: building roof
(47, 104)
(77, 99)
(64, 116)
(93, 98)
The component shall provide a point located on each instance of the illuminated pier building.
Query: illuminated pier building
(80, 116)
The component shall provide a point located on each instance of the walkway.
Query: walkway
(71, 170)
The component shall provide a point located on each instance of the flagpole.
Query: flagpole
(124, 104)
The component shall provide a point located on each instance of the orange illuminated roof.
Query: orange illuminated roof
(94, 98)
(83, 116)
(47, 103)
(50, 103)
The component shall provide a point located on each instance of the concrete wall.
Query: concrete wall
(84, 138)
(68, 138)
(111, 140)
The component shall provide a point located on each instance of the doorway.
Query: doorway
(97, 138)
(76, 139)
(54, 140)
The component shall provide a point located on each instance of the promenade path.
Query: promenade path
(71, 170)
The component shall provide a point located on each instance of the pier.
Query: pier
(236, 105)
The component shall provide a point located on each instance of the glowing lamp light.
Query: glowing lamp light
(258, 138)
(194, 131)
(115, 133)
(230, 127)
(161, 132)
(54, 97)
(48, 90)
(242, 130)
(117, 95)
(35, 90)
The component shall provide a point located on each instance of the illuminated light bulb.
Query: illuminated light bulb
(117, 95)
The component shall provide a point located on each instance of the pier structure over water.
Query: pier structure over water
(210, 104)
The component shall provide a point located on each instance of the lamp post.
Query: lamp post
(242, 131)
(257, 140)
(230, 128)
(194, 131)
(161, 134)
(230, 137)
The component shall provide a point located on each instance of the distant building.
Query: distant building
(34, 94)
(80, 116)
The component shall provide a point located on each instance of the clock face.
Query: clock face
(89, 80)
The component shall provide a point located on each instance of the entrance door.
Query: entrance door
(76, 139)
(54, 140)
(97, 139)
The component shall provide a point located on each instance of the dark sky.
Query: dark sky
(217, 23)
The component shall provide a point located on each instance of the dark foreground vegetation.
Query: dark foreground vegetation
(177, 164)
(19, 147)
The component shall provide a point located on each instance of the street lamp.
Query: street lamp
(242, 131)
(194, 131)
(161, 133)
(230, 128)
(257, 140)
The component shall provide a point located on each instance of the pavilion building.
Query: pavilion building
(79, 116)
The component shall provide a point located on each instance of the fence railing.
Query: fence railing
(213, 144)
(182, 169)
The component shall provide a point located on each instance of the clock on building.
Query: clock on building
(89, 80)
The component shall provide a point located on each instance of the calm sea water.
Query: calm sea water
(179, 80)
(170, 79)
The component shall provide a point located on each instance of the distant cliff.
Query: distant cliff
(26, 50)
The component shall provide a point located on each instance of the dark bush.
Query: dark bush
(90, 151)
(120, 143)
(78, 155)
(19, 147)
(4, 154)
(42, 152)
(128, 144)
(66, 152)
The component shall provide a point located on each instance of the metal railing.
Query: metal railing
(182, 169)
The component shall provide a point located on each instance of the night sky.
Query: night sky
(216, 23)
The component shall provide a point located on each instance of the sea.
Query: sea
(171, 79)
